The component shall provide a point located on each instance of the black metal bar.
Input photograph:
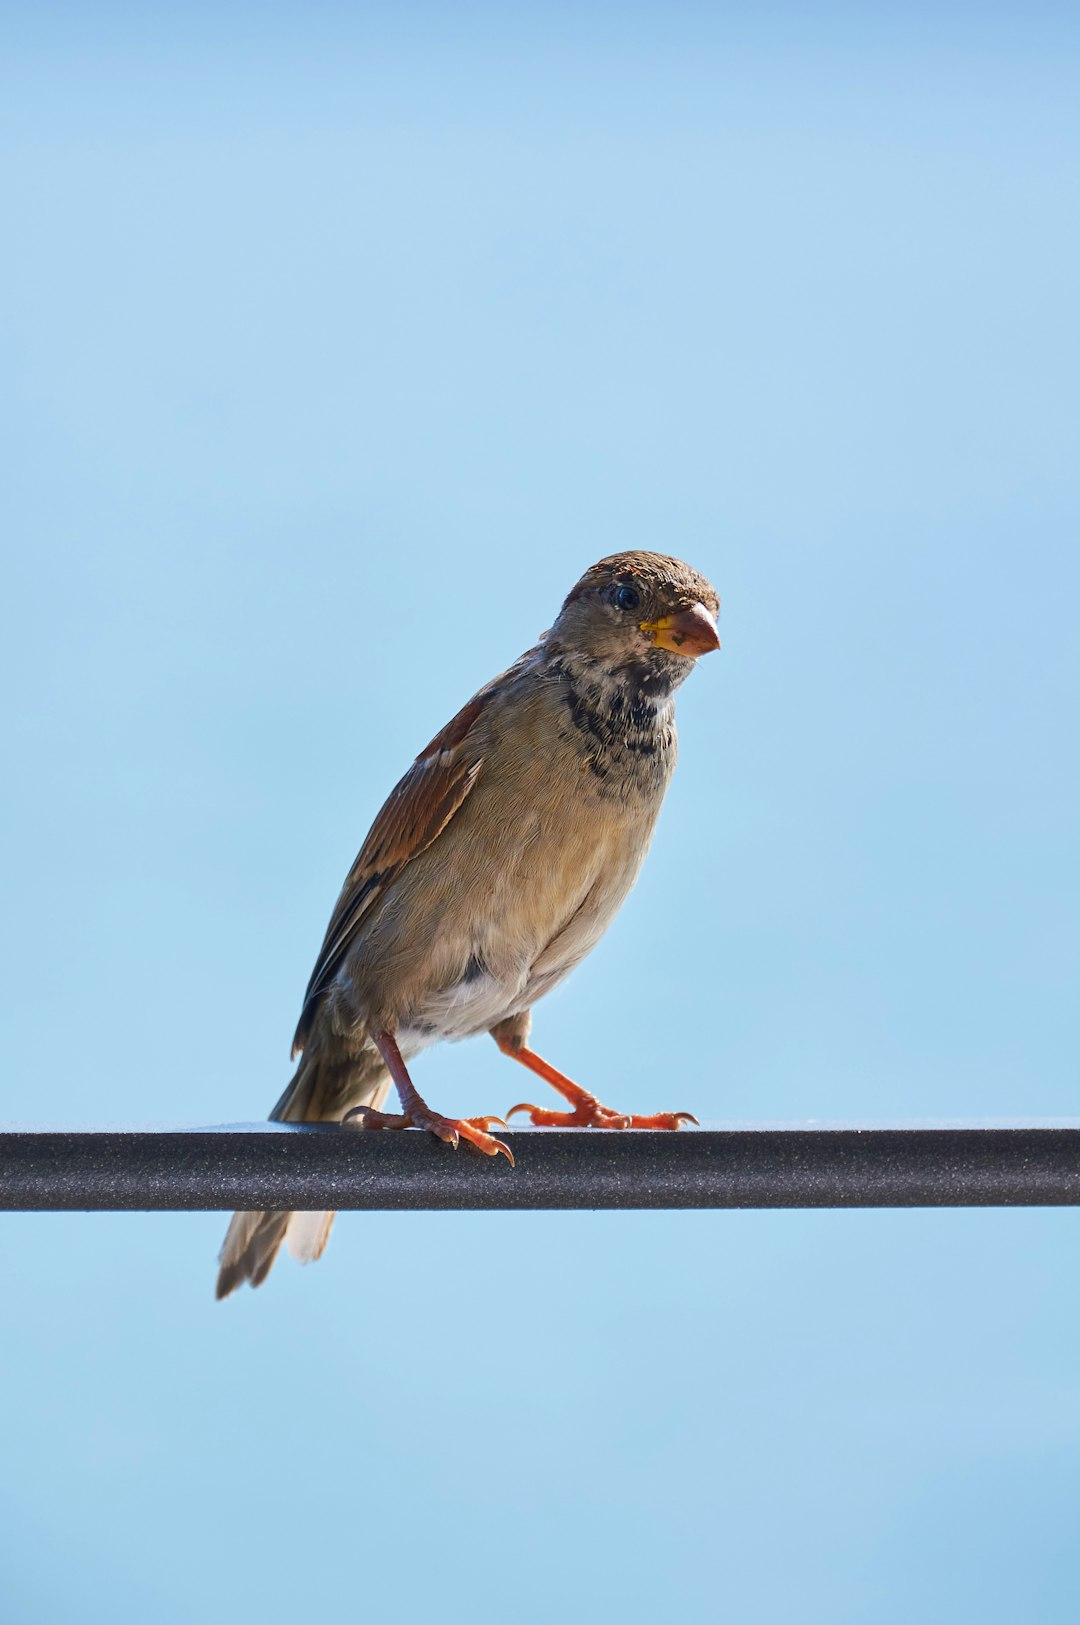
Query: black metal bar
(269, 1166)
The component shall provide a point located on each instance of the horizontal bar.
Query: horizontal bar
(741, 1166)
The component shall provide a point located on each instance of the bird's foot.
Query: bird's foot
(586, 1111)
(589, 1113)
(450, 1129)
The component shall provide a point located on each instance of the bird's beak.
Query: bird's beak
(691, 632)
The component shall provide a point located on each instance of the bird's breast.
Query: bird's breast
(510, 939)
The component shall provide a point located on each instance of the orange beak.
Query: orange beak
(691, 632)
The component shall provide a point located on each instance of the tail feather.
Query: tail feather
(250, 1247)
(307, 1235)
(318, 1092)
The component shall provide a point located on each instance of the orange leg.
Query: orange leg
(587, 1110)
(417, 1114)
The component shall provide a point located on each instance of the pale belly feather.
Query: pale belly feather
(524, 952)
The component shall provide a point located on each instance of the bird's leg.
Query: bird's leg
(587, 1111)
(416, 1113)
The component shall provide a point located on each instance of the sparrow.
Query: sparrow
(494, 867)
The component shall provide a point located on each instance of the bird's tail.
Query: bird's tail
(320, 1091)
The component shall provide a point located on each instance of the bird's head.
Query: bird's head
(639, 613)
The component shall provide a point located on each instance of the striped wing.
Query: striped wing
(415, 814)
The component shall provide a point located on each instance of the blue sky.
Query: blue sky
(336, 344)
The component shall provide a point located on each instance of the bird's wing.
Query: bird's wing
(414, 815)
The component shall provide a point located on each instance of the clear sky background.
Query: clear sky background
(336, 342)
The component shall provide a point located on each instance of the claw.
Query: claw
(664, 1120)
(487, 1143)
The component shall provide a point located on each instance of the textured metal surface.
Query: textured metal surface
(261, 1166)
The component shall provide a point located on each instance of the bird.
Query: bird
(495, 865)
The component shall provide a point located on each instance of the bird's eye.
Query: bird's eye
(624, 597)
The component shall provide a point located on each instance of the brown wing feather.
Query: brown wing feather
(414, 815)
